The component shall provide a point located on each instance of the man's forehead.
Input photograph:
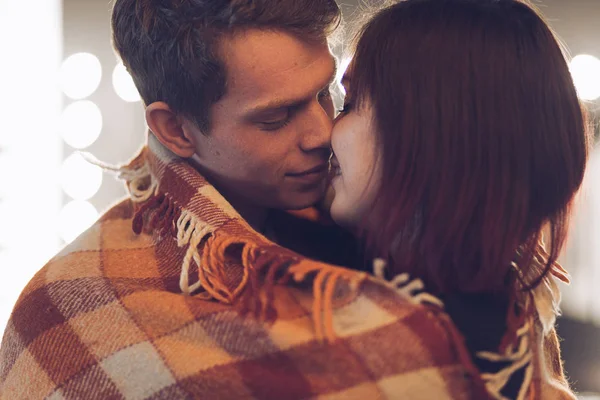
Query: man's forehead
(271, 63)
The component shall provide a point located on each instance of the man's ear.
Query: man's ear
(169, 130)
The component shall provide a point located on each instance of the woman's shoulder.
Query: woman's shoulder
(402, 333)
(429, 335)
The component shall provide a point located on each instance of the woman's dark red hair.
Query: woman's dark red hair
(481, 137)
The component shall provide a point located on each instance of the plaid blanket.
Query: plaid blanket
(171, 295)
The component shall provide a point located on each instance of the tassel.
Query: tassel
(138, 219)
(207, 249)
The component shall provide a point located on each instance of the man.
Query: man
(251, 105)
(238, 104)
(242, 90)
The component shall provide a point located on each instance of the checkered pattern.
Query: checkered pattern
(105, 319)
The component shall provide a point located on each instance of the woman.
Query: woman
(461, 139)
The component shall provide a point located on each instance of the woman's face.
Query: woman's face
(355, 171)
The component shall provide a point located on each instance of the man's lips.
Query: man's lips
(315, 170)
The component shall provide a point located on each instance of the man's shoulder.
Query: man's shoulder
(111, 231)
(80, 257)
(74, 304)
(83, 270)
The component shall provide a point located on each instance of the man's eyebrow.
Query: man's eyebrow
(289, 103)
(274, 106)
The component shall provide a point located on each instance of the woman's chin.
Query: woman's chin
(342, 215)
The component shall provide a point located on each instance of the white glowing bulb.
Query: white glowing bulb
(75, 218)
(585, 70)
(81, 124)
(80, 179)
(80, 75)
(123, 84)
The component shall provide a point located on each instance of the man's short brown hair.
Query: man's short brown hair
(170, 46)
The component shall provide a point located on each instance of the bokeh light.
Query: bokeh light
(80, 75)
(585, 70)
(75, 218)
(81, 124)
(123, 84)
(80, 179)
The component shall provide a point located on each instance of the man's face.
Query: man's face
(269, 141)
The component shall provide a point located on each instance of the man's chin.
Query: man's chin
(300, 201)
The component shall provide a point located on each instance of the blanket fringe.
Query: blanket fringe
(141, 184)
(411, 289)
(275, 265)
(515, 351)
(325, 281)
(517, 355)
(516, 347)
(546, 296)
(190, 232)
(158, 212)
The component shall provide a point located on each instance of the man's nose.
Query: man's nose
(316, 129)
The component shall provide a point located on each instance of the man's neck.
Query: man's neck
(255, 216)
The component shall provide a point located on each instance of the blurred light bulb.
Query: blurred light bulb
(123, 84)
(80, 179)
(585, 70)
(80, 75)
(81, 124)
(75, 218)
